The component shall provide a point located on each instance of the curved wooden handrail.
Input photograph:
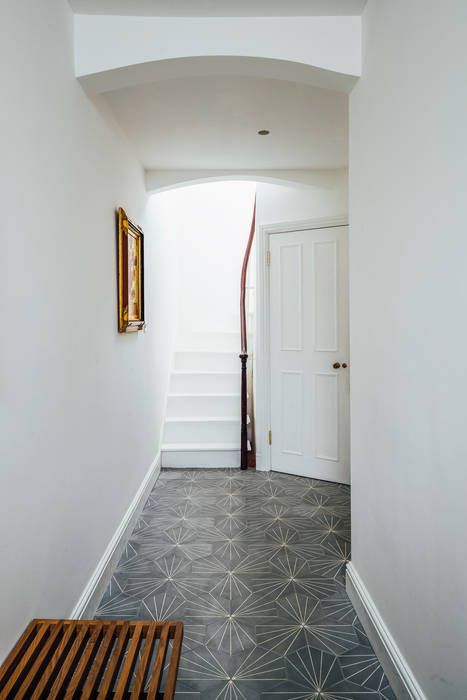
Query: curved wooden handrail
(244, 346)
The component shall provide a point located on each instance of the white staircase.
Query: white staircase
(202, 425)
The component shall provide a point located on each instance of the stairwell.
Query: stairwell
(202, 425)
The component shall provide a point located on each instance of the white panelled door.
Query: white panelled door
(309, 353)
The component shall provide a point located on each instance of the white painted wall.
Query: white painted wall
(208, 225)
(211, 243)
(105, 42)
(408, 252)
(81, 406)
(278, 203)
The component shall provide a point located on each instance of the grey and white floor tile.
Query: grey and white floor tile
(254, 564)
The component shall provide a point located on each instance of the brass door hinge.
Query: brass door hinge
(268, 257)
(270, 437)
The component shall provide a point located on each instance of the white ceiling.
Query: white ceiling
(219, 8)
(212, 122)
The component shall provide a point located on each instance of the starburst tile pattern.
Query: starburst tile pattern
(253, 563)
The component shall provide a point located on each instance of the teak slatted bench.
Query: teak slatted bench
(89, 659)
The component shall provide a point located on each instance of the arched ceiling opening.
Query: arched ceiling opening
(220, 66)
(161, 180)
(192, 93)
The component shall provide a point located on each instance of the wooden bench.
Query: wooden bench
(89, 659)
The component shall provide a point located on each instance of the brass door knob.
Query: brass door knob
(336, 365)
(344, 365)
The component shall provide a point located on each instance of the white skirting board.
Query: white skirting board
(86, 606)
(395, 666)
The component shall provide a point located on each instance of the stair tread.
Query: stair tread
(199, 446)
(204, 371)
(197, 395)
(202, 419)
(207, 351)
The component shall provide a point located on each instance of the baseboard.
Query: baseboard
(395, 666)
(87, 604)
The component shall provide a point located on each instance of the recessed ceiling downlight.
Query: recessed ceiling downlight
(263, 132)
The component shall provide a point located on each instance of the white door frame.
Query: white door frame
(263, 338)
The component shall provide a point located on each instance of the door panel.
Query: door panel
(309, 333)
(291, 297)
(325, 303)
(292, 402)
(326, 432)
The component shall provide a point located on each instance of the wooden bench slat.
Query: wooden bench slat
(130, 662)
(141, 673)
(110, 675)
(69, 663)
(7, 667)
(27, 684)
(156, 676)
(25, 659)
(54, 664)
(177, 628)
(99, 665)
(87, 657)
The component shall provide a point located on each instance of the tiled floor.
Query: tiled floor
(253, 563)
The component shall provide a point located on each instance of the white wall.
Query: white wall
(408, 252)
(208, 225)
(81, 406)
(278, 203)
(105, 43)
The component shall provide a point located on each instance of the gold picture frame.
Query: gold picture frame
(130, 247)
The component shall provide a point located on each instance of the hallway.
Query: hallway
(253, 564)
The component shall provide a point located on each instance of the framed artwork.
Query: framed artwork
(130, 253)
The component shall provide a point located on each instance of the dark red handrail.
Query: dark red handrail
(244, 347)
(243, 283)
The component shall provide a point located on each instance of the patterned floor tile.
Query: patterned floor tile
(253, 563)
(301, 623)
(239, 676)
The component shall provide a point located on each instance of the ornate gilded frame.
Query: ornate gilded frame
(130, 253)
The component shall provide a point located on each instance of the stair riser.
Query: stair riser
(207, 361)
(199, 432)
(205, 383)
(215, 406)
(201, 458)
(212, 341)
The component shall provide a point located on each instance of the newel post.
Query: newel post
(244, 434)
